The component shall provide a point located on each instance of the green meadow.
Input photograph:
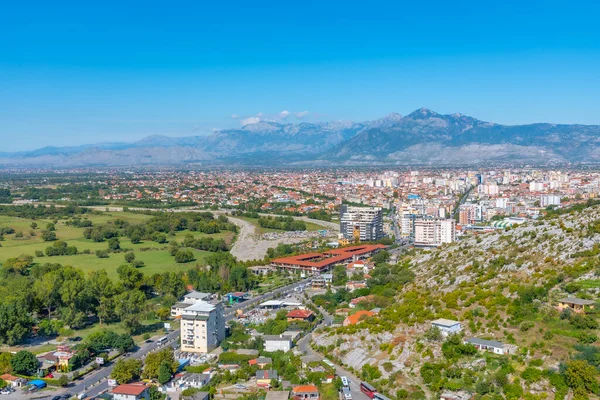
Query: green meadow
(154, 255)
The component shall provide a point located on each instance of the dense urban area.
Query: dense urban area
(326, 284)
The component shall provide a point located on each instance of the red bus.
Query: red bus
(368, 389)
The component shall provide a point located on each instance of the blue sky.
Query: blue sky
(74, 73)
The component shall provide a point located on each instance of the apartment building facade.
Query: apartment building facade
(433, 232)
(202, 326)
(361, 223)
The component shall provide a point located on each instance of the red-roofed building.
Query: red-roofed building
(357, 317)
(319, 262)
(131, 391)
(300, 315)
(302, 392)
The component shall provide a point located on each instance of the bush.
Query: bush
(101, 253)
(525, 326)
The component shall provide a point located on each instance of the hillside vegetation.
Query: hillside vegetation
(502, 286)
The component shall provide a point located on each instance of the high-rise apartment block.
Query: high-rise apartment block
(202, 322)
(549, 200)
(432, 232)
(363, 224)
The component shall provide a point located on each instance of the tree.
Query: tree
(135, 238)
(127, 370)
(155, 360)
(128, 307)
(50, 227)
(129, 276)
(129, 257)
(15, 322)
(63, 380)
(101, 253)
(46, 290)
(100, 289)
(184, 256)
(114, 244)
(33, 225)
(581, 376)
(48, 236)
(5, 367)
(24, 363)
(164, 372)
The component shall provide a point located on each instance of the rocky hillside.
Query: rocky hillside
(502, 286)
(422, 137)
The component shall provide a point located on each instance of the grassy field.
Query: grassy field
(154, 255)
(260, 230)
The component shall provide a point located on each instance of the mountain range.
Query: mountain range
(422, 137)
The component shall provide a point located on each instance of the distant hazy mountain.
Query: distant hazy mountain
(422, 137)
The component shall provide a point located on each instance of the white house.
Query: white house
(277, 342)
(491, 345)
(194, 380)
(446, 326)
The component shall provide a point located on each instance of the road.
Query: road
(253, 302)
(96, 383)
(306, 349)
(462, 201)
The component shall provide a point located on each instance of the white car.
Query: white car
(81, 395)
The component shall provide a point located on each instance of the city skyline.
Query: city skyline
(78, 75)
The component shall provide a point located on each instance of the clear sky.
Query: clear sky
(86, 72)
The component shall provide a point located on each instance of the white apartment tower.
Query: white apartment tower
(366, 223)
(432, 232)
(202, 326)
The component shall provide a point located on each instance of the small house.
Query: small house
(302, 392)
(300, 315)
(14, 381)
(351, 286)
(131, 391)
(277, 342)
(491, 345)
(264, 377)
(446, 326)
(575, 304)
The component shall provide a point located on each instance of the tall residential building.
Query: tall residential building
(362, 223)
(202, 325)
(549, 200)
(434, 231)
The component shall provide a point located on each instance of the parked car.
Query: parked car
(57, 397)
(82, 395)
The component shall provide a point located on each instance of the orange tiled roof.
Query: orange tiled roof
(355, 318)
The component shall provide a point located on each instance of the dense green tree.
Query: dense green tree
(164, 372)
(5, 366)
(581, 377)
(184, 256)
(128, 307)
(24, 363)
(156, 359)
(48, 236)
(127, 370)
(130, 277)
(114, 244)
(129, 257)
